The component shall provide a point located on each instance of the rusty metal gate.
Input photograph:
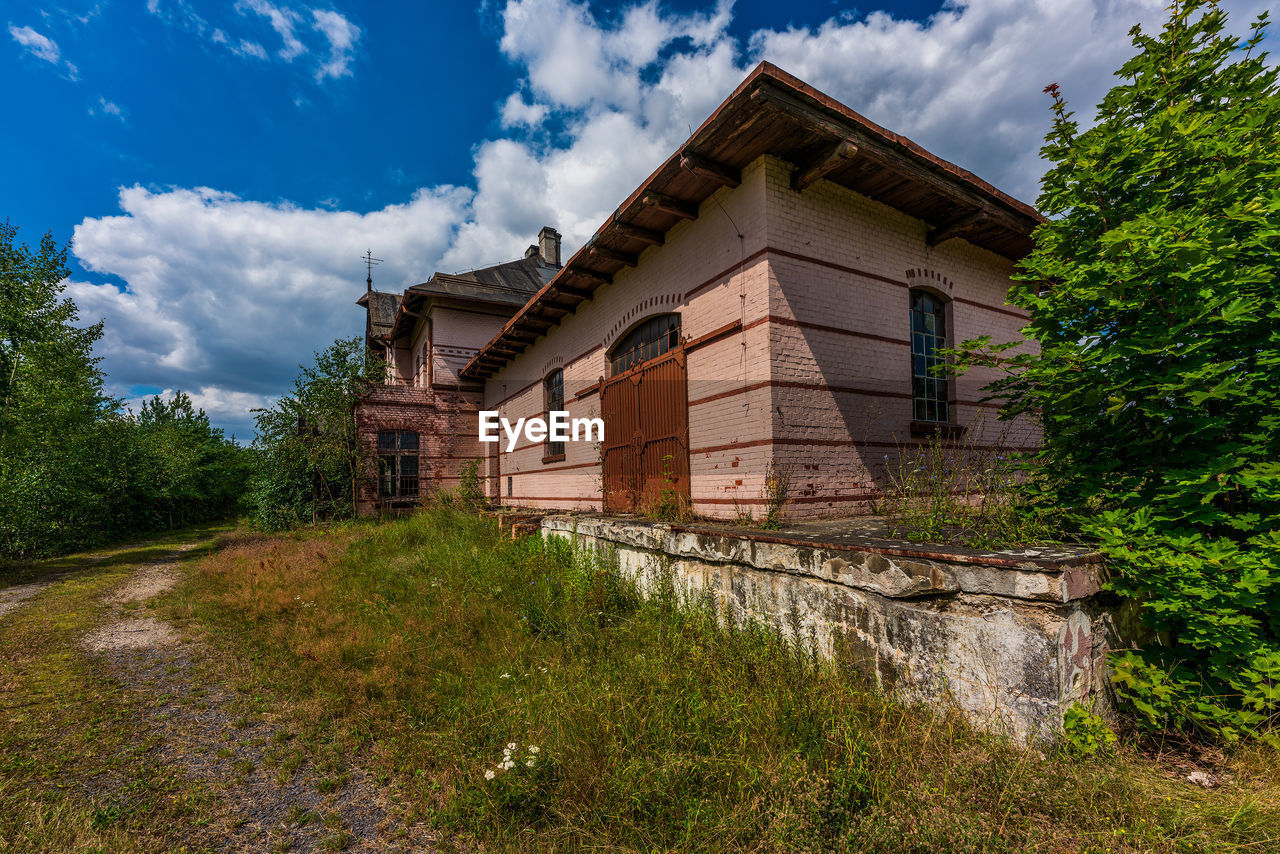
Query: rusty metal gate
(646, 435)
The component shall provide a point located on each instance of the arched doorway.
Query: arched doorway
(645, 407)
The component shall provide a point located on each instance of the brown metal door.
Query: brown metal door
(646, 433)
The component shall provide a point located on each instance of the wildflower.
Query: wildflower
(505, 676)
(489, 775)
(508, 765)
(529, 763)
(511, 745)
(533, 749)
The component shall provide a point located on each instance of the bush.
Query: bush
(1154, 296)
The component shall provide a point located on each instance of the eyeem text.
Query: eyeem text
(556, 427)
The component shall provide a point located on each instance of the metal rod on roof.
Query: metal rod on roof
(369, 261)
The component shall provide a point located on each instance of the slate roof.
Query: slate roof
(382, 309)
(512, 282)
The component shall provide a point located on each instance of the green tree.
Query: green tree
(309, 460)
(75, 469)
(1154, 295)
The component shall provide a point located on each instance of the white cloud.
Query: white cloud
(44, 48)
(107, 108)
(228, 295)
(250, 49)
(231, 410)
(342, 36)
(327, 36)
(517, 111)
(282, 20)
(37, 44)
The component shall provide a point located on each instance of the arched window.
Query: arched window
(553, 394)
(646, 341)
(928, 335)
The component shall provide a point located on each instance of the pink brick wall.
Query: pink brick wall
(816, 381)
(840, 337)
(711, 277)
(444, 414)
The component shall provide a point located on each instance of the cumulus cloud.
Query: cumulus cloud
(227, 295)
(231, 410)
(517, 111)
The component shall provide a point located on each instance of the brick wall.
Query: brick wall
(443, 414)
(839, 303)
(816, 380)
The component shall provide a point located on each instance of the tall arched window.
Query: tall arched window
(553, 394)
(646, 341)
(928, 335)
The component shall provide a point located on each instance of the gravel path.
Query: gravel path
(12, 597)
(198, 729)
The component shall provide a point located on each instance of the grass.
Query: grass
(76, 771)
(436, 655)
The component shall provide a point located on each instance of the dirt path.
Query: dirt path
(277, 801)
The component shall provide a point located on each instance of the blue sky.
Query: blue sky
(220, 166)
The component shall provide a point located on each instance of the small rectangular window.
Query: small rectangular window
(397, 464)
(509, 489)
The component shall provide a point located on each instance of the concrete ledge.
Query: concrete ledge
(1010, 638)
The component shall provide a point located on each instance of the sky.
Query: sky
(219, 167)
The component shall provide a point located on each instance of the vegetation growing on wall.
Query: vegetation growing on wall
(309, 459)
(76, 468)
(1154, 294)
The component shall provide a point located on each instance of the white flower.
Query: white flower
(508, 765)
(489, 775)
(533, 749)
(505, 676)
(529, 764)
(511, 746)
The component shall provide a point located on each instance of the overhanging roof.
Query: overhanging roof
(509, 284)
(773, 113)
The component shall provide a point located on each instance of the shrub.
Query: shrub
(1154, 295)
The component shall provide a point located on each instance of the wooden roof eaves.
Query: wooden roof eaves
(845, 123)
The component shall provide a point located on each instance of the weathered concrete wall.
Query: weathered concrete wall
(1012, 639)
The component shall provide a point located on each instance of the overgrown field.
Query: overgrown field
(523, 695)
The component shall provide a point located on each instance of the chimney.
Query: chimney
(532, 252)
(549, 245)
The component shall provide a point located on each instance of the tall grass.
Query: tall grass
(525, 694)
(966, 490)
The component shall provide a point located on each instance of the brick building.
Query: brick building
(768, 300)
(420, 425)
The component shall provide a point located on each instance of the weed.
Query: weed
(963, 490)
(775, 492)
(669, 503)
(663, 724)
(1085, 734)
